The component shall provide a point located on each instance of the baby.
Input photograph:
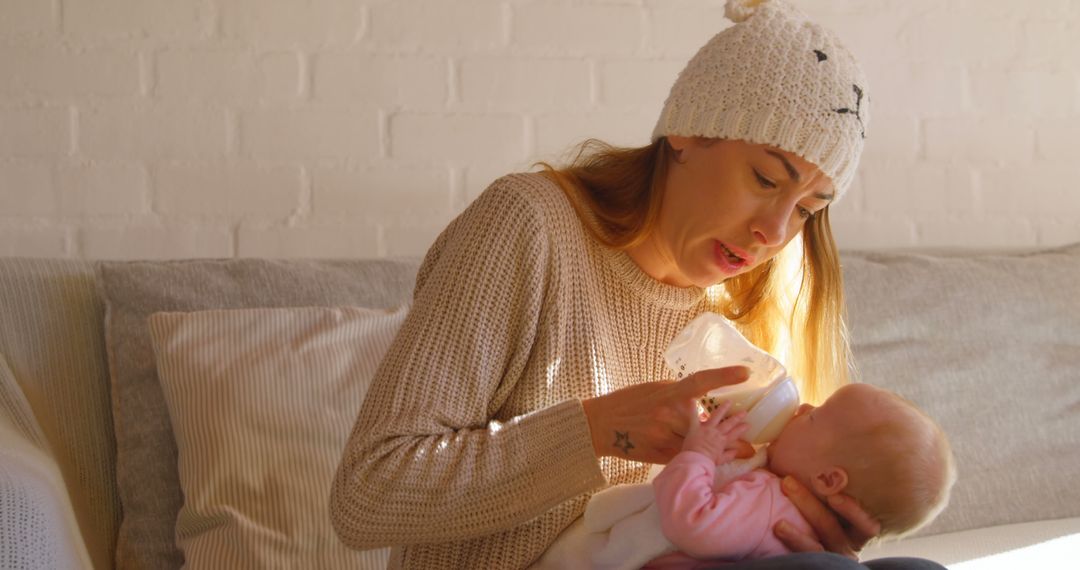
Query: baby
(864, 442)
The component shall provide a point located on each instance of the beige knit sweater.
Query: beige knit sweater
(472, 449)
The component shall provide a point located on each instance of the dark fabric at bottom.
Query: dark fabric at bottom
(829, 561)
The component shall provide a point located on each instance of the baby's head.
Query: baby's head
(875, 446)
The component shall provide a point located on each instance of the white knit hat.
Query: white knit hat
(774, 78)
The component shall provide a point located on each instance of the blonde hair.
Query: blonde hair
(791, 306)
(900, 468)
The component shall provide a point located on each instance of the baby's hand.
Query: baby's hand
(717, 437)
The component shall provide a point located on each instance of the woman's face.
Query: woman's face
(728, 207)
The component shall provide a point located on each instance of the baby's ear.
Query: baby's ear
(830, 481)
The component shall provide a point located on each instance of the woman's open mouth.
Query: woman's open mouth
(727, 259)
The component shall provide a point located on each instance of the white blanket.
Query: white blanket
(37, 525)
(620, 529)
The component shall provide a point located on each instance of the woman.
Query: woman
(529, 373)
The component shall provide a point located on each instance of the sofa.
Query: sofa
(153, 412)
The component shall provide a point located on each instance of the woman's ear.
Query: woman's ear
(831, 481)
(679, 143)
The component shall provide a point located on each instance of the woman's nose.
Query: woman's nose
(770, 226)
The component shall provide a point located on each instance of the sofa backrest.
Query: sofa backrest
(53, 341)
(987, 343)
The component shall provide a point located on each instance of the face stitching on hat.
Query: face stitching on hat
(755, 81)
(858, 108)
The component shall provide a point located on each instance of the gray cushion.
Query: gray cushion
(147, 472)
(989, 345)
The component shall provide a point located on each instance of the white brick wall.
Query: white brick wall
(358, 128)
(160, 21)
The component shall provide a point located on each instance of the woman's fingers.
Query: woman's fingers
(824, 522)
(649, 421)
(692, 422)
(863, 526)
(700, 383)
(795, 540)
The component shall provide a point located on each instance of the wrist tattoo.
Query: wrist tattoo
(622, 441)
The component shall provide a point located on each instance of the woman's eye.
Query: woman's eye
(764, 182)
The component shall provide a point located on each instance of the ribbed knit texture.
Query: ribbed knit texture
(146, 467)
(472, 448)
(775, 78)
(52, 344)
(261, 402)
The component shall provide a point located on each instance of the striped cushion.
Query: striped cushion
(52, 342)
(146, 474)
(261, 403)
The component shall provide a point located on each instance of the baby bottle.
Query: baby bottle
(769, 395)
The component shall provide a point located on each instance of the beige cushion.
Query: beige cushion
(37, 524)
(146, 468)
(261, 403)
(51, 340)
(989, 345)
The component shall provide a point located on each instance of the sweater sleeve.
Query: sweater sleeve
(425, 461)
(728, 523)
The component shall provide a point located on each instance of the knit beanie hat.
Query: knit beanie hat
(774, 78)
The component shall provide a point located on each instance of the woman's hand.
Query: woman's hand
(717, 437)
(647, 422)
(845, 529)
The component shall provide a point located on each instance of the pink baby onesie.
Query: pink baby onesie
(734, 522)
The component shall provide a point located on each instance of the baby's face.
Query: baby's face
(803, 448)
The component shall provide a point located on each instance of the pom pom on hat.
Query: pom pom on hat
(739, 10)
(774, 78)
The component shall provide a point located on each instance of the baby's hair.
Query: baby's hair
(901, 468)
